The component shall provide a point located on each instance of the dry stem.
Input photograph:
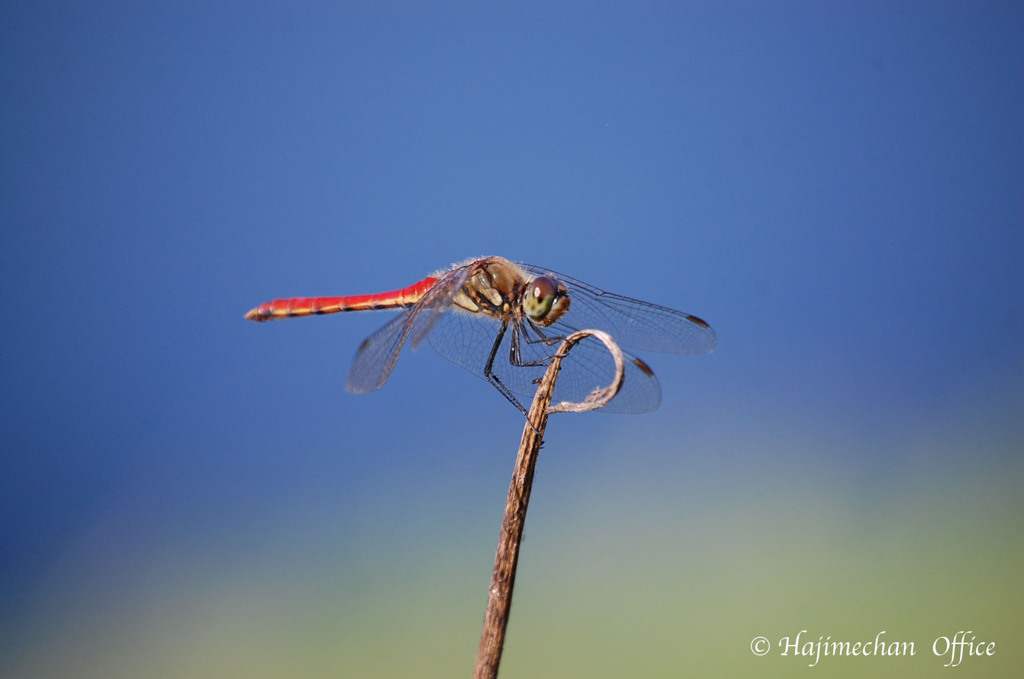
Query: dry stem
(499, 602)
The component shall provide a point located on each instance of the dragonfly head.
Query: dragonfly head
(546, 300)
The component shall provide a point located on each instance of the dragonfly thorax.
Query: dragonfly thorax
(546, 300)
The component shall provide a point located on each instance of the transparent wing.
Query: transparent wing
(632, 323)
(377, 355)
(468, 339)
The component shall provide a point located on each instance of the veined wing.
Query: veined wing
(631, 322)
(378, 354)
(467, 339)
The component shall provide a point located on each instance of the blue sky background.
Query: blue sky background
(837, 189)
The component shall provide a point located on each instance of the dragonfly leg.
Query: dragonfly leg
(489, 368)
(515, 352)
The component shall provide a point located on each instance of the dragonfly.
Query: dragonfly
(503, 321)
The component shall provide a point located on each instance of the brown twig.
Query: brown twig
(499, 602)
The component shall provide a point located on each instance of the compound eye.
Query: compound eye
(545, 300)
